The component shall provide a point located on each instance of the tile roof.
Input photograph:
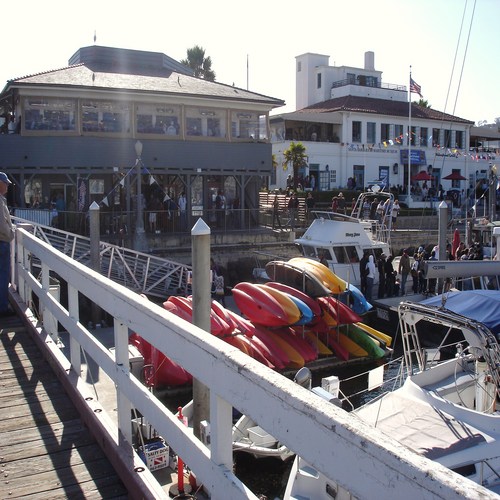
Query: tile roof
(370, 105)
(168, 82)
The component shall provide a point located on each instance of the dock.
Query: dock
(45, 448)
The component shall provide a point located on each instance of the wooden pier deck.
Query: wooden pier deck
(45, 449)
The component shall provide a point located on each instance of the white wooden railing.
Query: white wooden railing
(333, 441)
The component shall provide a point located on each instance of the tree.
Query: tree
(295, 156)
(201, 65)
(423, 103)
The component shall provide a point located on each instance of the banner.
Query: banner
(82, 194)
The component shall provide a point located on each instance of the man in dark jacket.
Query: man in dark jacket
(362, 273)
(381, 275)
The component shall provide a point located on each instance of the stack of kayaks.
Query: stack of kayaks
(285, 323)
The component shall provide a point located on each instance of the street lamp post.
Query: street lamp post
(140, 239)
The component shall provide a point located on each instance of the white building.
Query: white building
(354, 125)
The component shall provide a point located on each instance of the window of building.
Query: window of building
(158, 119)
(206, 122)
(447, 138)
(459, 139)
(299, 66)
(49, 114)
(318, 80)
(412, 136)
(249, 125)
(435, 137)
(371, 81)
(424, 131)
(356, 131)
(385, 132)
(351, 78)
(105, 117)
(398, 133)
(371, 128)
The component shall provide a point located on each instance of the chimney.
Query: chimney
(370, 61)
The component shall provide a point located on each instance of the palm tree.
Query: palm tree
(423, 103)
(295, 156)
(201, 65)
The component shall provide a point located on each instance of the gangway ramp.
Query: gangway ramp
(151, 275)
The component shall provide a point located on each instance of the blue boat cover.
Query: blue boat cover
(480, 305)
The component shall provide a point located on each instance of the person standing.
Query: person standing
(404, 270)
(276, 212)
(390, 277)
(182, 204)
(6, 236)
(362, 272)
(335, 204)
(309, 205)
(394, 213)
(381, 275)
(370, 278)
(414, 272)
(341, 203)
(293, 206)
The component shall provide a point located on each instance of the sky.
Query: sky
(450, 46)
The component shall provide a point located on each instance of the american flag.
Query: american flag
(415, 87)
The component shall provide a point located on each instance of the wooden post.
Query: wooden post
(202, 301)
(95, 258)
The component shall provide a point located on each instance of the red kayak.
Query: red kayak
(309, 301)
(342, 313)
(165, 372)
(255, 351)
(218, 326)
(330, 339)
(223, 314)
(262, 334)
(259, 306)
(299, 344)
(268, 352)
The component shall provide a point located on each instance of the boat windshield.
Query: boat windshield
(346, 255)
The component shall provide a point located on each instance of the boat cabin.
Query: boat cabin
(340, 240)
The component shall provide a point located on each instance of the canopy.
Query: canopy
(479, 305)
(455, 176)
(423, 176)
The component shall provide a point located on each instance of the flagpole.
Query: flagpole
(409, 142)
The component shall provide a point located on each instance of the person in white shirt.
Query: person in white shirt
(182, 204)
(394, 213)
(370, 278)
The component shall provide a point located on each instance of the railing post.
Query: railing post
(124, 406)
(74, 313)
(202, 302)
(95, 258)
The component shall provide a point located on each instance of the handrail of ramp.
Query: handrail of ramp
(143, 273)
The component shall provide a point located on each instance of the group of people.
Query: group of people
(385, 212)
(388, 286)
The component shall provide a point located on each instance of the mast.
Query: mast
(409, 142)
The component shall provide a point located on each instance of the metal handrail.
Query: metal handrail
(143, 273)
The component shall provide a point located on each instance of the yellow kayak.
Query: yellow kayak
(285, 301)
(387, 339)
(353, 348)
(296, 360)
(333, 282)
(320, 347)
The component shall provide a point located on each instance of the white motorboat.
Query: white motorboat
(340, 240)
(446, 408)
